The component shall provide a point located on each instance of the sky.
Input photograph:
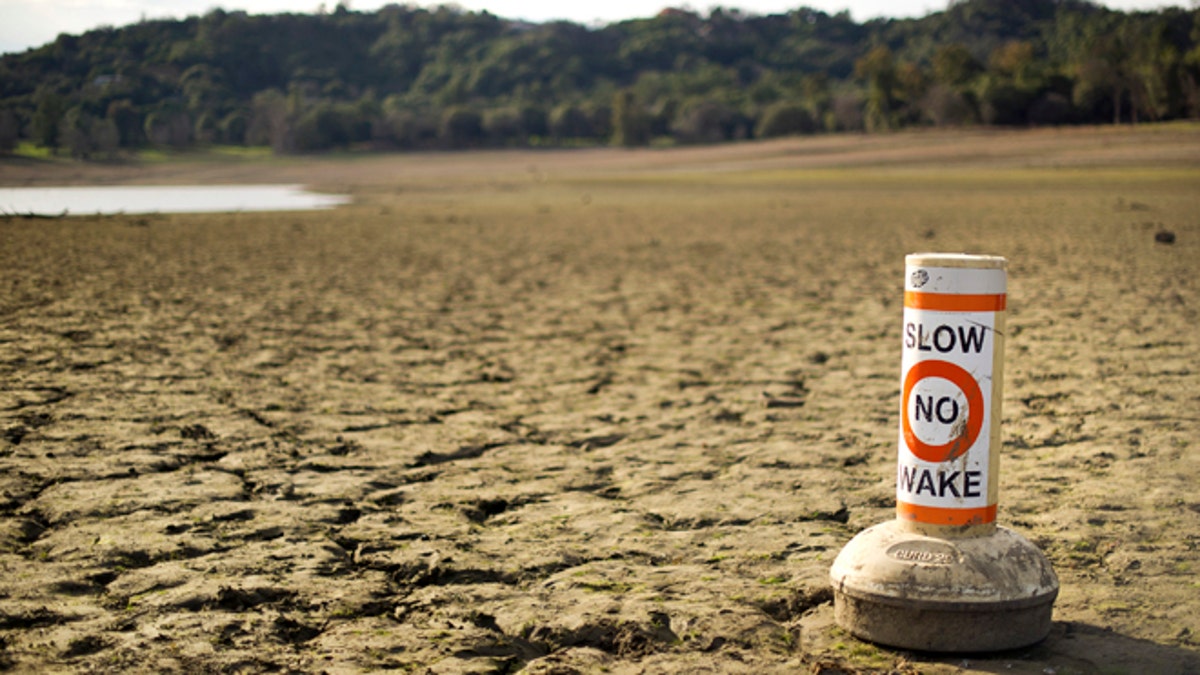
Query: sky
(32, 23)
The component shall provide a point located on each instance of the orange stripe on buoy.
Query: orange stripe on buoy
(949, 302)
(934, 515)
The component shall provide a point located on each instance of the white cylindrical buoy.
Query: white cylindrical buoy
(943, 576)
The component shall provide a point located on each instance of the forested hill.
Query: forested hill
(406, 77)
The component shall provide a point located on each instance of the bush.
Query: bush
(322, 127)
(569, 121)
(129, 123)
(461, 128)
(785, 118)
(404, 128)
(705, 121)
(1003, 102)
(631, 124)
(946, 107)
(206, 129)
(233, 128)
(1051, 109)
(502, 126)
(846, 113)
(85, 135)
(169, 128)
(533, 121)
(10, 130)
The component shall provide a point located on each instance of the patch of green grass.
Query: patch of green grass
(867, 651)
(155, 155)
(242, 152)
(32, 151)
(344, 612)
(219, 153)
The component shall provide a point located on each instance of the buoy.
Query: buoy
(943, 576)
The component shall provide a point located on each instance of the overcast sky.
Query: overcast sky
(31, 23)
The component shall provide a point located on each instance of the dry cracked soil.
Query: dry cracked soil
(600, 411)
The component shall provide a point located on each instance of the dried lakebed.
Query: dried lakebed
(478, 426)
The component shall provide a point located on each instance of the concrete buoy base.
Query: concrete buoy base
(898, 587)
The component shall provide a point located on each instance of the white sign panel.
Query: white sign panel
(952, 343)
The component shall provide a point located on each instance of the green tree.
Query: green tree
(75, 133)
(271, 121)
(785, 118)
(1001, 101)
(600, 119)
(631, 125)
(878, 69)
(361, 116)
(502, 126)
(232, 128)
(949, 99)
(10, 130)
(1103, 70)
(1189, 78)
(169, 127)
(533, 121)
(106, 138)
(912, 83)
(1154, 69)
(846, 112)
(322, 126)
(945, 106)
(206, 130)
(954, 65)
(202, 88)
(461, 128)
(1011, 85)
(47, 119)
(404, 126)
(568, 121)
(706, 121)
(1016, 61)
(1050, 108)
(817, 95)
(128, 122)
(662, 116)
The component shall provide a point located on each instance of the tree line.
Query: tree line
(405, 77)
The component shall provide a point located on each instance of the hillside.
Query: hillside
(414, 78)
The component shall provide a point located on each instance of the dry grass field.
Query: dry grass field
(588, 411)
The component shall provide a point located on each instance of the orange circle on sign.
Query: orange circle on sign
(957, 446)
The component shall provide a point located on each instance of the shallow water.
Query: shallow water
(114, 199)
